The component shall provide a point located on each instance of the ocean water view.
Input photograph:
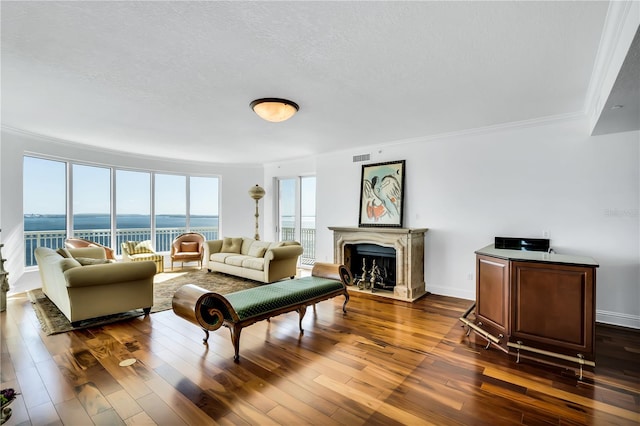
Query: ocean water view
(55, 222)
(49, 230)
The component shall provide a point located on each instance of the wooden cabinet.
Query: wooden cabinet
(553, 307)
(492, 297)
(538, 302)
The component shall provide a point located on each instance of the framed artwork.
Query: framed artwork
(382, 194)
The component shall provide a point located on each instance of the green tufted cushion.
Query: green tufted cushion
(258, 300)
(231, 245)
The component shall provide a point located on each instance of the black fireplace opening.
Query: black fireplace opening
(373, 266)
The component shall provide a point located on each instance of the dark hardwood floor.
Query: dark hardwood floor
(385, 362)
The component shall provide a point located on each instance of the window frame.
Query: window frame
(69, 164)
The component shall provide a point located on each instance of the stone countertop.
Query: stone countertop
(536, 256)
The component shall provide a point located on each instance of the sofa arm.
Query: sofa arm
(109, 273)
(210, 247)
(285, 252)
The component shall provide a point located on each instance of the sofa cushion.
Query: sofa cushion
(189, 247)
(146, 256)
(220, 257)
(246, 245)
(231, 245)
(258, 249)
(256, 263)
(235, 260)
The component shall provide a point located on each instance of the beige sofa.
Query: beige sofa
(256, 260)
(100, 287)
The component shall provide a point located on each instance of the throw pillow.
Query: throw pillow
(91, 261)
(64, 253)
(231, 245)
(68, 264)
(138, 247)
(258, 249)
(191, 247)
(246, 245)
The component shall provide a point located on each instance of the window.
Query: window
(109, 205)
(133, 207)
(297, 214)
(44, 205)
(171, 209)
(203, 206)
(91, 199)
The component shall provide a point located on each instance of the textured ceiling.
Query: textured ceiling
(175, 79)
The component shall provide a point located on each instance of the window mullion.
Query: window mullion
(69, 189)
(153, 209)
(112, 213)
(188, 203)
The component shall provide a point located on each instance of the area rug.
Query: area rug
(52, 321)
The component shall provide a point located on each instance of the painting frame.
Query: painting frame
(382, 195)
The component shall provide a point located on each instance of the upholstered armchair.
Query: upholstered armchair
(74, 243)
(137, 251)
(188, 247)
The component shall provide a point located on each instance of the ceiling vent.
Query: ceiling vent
(359, 158)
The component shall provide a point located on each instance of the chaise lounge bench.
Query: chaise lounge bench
(242, 308)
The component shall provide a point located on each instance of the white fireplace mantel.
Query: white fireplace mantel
(409, 246)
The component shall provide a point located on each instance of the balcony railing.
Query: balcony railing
(307, 240)
(163, 239)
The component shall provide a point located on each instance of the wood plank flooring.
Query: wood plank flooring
(384, 362)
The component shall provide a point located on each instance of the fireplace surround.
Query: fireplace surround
(408, 243)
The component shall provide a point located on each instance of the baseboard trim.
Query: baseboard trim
(617, 318)
(602, 316)
(452, 292)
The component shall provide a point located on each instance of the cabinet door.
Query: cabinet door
(553, 307)
(492, 294)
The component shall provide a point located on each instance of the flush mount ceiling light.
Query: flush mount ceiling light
(274, 109)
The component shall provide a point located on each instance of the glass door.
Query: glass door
(297, 214)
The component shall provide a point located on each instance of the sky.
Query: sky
(45, 181)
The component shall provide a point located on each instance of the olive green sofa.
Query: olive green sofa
(99, 288)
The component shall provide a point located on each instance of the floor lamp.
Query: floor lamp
(256, 192)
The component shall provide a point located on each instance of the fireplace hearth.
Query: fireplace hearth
(395, 255)
(378, 269)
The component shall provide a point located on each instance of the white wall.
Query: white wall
(466, 189)
(236, 214)
(515, 181)
(288, 169)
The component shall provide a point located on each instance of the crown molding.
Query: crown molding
(376, 149)
(495, 128)
(620, 26)
(98, 149)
